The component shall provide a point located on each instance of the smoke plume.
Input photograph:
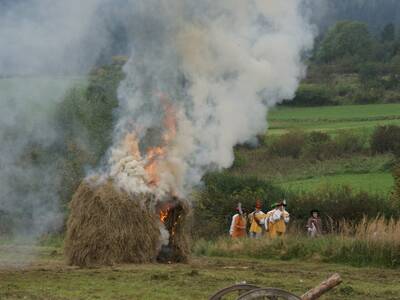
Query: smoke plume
(200, 79)
(214, 68)
(42, 42)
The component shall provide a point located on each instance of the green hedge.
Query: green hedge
(216, 201)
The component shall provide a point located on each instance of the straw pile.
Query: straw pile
(107, 226)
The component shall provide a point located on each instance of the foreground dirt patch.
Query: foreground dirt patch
(48, 277)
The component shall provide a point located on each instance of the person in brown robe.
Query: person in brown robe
(314, 224)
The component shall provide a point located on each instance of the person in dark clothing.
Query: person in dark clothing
(314, 224)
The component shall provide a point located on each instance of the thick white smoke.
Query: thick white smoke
(42, 43)
(216, 66)
(221, 65)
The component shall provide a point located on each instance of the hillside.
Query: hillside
(358, 168)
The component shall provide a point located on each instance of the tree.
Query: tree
(85, 119)
(388, 33)
(387, 47)
(369, 74)
(346, 39)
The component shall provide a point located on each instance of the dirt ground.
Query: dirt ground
(44, 275)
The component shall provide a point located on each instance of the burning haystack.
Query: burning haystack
(131, 213)
(108, 226)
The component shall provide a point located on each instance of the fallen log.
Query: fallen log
(322, 288)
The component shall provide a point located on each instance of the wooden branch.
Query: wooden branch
(322, 288)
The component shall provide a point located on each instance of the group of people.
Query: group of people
(272, 224)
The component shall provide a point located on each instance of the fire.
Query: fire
(133, 145)
(156, 154)
(164, 214)
(150, 169)
(153, 157)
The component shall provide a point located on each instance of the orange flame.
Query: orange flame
(132, 143)
(155, 155)
(164, 214)
(151, 168)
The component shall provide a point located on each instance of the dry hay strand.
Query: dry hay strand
(107, 226)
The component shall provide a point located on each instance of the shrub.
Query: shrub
(348, 143)
(312, 95)
(316, 145)
(289, 144)
(217, 200)
(240, 160)
(370, 74)
(368, 96)
(386, 139)
(396, 191)
(337, 203)
(342, 89)
(319, 146)
(317, 137)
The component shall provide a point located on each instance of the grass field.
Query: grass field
(47, 277)
(370, 182)
(362, 172)
(362, 118)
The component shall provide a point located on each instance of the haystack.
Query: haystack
(107, 226)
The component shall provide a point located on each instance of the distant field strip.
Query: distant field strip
(356, 119)
(334, 112)
(333, 118)
(370, 182)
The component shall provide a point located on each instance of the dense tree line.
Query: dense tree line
(376, 13)
(352, 65)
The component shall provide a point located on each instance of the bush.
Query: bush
(217, 200)
(289, 144)
(312, 95)
(368, 96)
(396, 191)
(319, 146)
(348, 143)
(316, 145)
(343, 90)
(386, 139)
(337, 203)
(370, 74)
(240, 160)
(318, 137)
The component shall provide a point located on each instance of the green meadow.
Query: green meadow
(361, 171)
(362, 118)
(380, 183)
